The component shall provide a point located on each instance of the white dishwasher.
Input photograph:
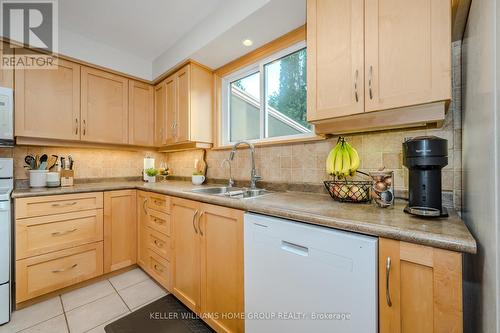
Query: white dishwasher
(306, 278)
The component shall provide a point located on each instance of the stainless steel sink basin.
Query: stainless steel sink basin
(231, 192)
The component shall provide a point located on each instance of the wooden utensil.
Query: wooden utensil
(52, 161)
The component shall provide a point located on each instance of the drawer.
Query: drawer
(42, 274)
(159, 269)
(159, 221)
(158, 242)
(57, 204)
(159, 202)
(44, 234)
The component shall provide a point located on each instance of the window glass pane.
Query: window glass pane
(244, 108)
(285, 81)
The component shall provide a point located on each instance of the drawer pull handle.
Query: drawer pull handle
(60, 233)
(158, 221)
(158, 268)
(64, 204)
(157, 243)
(158, 202)
(64, 269)
(387, 282)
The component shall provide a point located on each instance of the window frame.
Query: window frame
(257, 67)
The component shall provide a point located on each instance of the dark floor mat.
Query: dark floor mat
(166, 315)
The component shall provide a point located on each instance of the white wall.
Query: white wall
(480, 166)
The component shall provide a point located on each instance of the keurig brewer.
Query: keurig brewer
(424, 157)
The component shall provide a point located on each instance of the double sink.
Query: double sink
(232, 192)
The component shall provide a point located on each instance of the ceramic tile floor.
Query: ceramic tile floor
(87, 309)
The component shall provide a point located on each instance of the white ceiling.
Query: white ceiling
(142, 28)
(146, 38)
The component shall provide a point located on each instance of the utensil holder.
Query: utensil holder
(38, 178)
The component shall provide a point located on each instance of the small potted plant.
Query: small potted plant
(197, 178)
(151, 173)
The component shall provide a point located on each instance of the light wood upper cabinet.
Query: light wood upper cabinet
(140, 113)
(335, 59)
(389, 56)
(160, 99)
(47, 102)
(171, 109)
(120, 229)
(189, 105)
(104, 106)
(420, 288)
(182, 123)
(221, 231)
(186, 262)
(407, 52)
(6, 75)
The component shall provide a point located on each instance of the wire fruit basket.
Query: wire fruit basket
(343, 190)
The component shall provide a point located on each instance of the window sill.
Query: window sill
(273, 142)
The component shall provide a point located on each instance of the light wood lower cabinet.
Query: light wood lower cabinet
(39, 235)
(221, 231)
(186, 262)
(155, 245)
(120, 229)
(45, 273)
(420, 288)
(208, 261)
(57, 204)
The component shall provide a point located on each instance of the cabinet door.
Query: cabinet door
(141, 114)
(334, 58)
(120, 229)
(183, 105)
(221, 231)
(171, 108)
(104, 106)
(6, 75)
(47, 102)
(160, 114)
(142, 220)
(407, 52)
(420, 288)
(186, 258)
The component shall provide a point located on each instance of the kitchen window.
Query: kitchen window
(267, 100)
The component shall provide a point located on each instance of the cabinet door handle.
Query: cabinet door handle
(76, 126)
(370, 77)
(387, 281)
(194, 221)
(356, 85)
(84, 127)
(64, 204)
(61, 233)
(199, 225)
(144, 206)
(60, 270)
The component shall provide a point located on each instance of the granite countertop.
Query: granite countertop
(448, 233)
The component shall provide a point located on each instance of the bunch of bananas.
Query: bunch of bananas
(343, 160)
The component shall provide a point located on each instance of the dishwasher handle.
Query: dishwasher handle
(295, 248)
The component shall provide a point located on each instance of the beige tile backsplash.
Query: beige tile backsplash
(89, 162)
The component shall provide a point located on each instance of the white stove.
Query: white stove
(6, 186)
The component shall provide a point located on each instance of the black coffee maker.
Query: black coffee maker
(424, 157)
